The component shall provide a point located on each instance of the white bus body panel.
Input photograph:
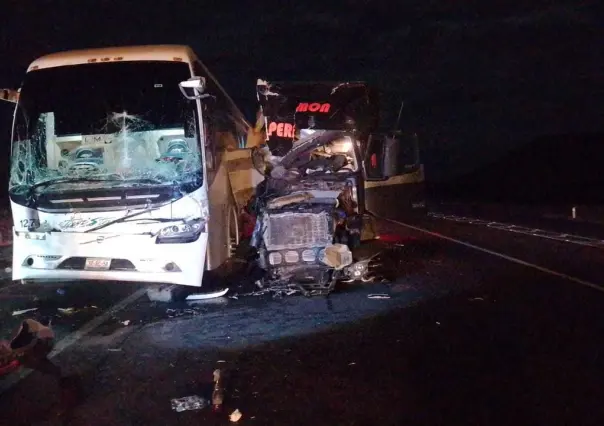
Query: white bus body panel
(133, 242)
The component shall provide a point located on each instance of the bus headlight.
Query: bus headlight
(181, 233)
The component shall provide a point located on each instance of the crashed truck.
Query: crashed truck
(309, 195)
(126, 166)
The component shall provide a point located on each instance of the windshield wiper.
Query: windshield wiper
(123, 219)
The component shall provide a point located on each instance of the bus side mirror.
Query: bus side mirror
(391, 155)
(9, 95)
(380, 158)
(193, 88)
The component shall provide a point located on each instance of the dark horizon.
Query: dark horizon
(476, 81)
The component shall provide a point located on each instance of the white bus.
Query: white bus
(116, 167)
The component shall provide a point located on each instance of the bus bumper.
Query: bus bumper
(94, 256)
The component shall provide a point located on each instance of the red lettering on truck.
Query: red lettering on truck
(313, 107)
(282, 130)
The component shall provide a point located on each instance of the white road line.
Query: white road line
(11, 380)
(501, 255)
(519, 229)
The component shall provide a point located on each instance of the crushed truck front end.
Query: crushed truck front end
(308, 208)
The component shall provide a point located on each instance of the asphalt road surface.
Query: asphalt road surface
(483, 327)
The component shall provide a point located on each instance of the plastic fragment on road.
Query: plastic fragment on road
(71, 311)
(127, 322)
(379, 296)
(235, 416)
(162, 294)
(188, 403)
(204, 296)
(23, 311)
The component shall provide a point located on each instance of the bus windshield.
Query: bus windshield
(120, 123)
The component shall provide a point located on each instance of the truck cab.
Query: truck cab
(310, 207)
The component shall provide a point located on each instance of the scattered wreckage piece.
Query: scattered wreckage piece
(29, 346)
(187, 403)
(205, 296)
(235, 416)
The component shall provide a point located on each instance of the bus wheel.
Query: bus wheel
(233, 231)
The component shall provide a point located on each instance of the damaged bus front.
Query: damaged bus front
(309, 210)
(112, 168)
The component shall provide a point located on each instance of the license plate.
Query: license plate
(95, 263)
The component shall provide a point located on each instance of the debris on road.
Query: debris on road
(9, 367)
(218, 393)
(71, 311)
(114, 349)
(235, 416)
(175, 313)
(476, 299)
(163, 294)
(127, 322)
(23, 311)
(8, 269)
(204, 296)
(276, 291)
(379, 296)
(193, 402)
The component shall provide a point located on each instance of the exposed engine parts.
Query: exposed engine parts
(307, 217)
(308, 210)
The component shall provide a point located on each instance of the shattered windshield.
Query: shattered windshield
(121, 124)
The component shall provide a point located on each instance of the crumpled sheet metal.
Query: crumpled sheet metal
(285, 200)
(302, 146)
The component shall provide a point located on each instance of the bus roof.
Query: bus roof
(162, 52)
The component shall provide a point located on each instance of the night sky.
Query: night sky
(478, 77)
